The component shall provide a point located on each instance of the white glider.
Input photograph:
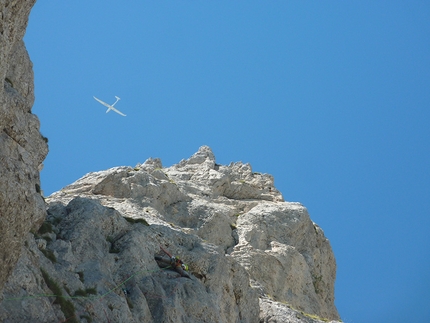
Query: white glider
(110, 107)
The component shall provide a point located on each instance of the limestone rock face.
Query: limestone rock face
(278, 243)
(22, 148)
(252, 256)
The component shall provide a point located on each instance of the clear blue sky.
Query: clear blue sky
(330, 97)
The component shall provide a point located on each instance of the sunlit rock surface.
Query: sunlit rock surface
(252, 256)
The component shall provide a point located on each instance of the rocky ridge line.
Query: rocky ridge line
(253, 257)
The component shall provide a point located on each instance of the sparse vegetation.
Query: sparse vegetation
(87, 318)
(172, 181)
(317, 281)
(81, 275)
(49, 254)
(56, 220)
(112, 248)
(84, 293)
(9, 81)
(48, 239)
(312, 316)
(91, 290)
(67, 289)
(129, 303)
(66, 306)
(133, 221)
(81, 292)
(46, 227)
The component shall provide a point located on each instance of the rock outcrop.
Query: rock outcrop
(87, 253)
(22, 148)
(252, 256)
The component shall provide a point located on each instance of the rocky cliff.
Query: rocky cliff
(252, 256)
(86, 254)
(22, 148)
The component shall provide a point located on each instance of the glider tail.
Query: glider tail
(117, 99)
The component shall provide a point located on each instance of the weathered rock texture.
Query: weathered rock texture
(22, 148)
(253, 257)
(90, 257)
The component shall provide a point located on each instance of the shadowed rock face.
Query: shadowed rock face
(22, 148)
(252, 256)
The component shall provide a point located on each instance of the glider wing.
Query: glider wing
(110, 107)
(104, 103)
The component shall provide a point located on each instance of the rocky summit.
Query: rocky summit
(231, 249)
(251, 256)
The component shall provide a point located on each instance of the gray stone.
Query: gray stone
(252, 256)
(22, 147)
(289, 256)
